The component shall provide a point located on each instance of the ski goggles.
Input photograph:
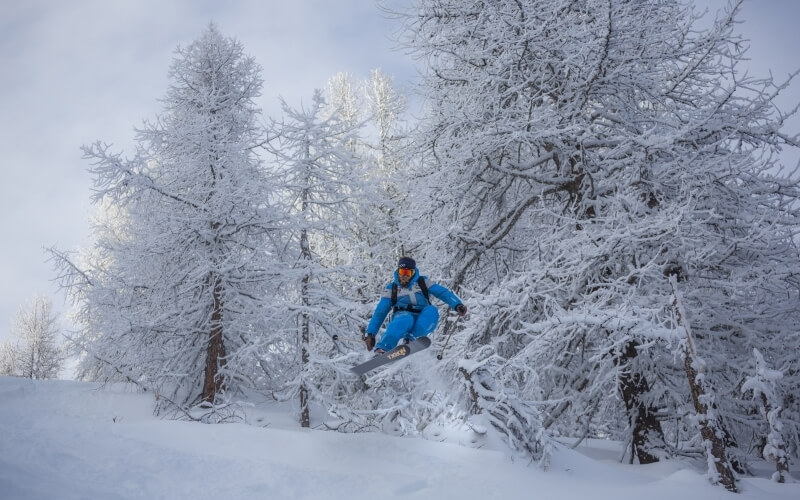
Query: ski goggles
(404, 271)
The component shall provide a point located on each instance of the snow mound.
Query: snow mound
(72, 440)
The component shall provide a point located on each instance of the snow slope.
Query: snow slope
(74, 440)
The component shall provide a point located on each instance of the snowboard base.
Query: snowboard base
(399, 352)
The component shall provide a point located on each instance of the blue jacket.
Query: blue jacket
(410, 295)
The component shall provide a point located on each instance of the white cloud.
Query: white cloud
(78, 71)
(85, 70)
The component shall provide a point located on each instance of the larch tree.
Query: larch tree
(322, 195)
(383, 152)
(34, 351)
(7, 359)
(175, 294)
(377, 108)
(590, 163)
(391, 153)
(344, 97)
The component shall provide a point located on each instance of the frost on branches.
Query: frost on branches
(597, 179)
(581, 153)
(762, 386)
(382, 149)
(322, 194)
(174, 294)
(34, 350)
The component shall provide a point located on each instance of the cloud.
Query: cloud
(85, 70)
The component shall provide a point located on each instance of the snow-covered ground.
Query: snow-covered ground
(72, 440)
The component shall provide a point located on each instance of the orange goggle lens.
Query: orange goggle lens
(405, 272)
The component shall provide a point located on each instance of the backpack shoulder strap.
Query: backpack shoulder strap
(424, 287)
(394, 294)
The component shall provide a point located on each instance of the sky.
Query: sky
(72, 73)
(80, 71)
(68, 440)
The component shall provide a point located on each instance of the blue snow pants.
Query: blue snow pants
(409, 325)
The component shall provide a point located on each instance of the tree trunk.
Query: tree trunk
(645, 427)
(710, 428)
(215, 355)
(305, 417)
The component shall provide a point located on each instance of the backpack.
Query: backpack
(422, 286)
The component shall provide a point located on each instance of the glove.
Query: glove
(461, 309)
(369, 340)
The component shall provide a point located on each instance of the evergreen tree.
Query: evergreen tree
(322, 195)
(34, 351)
(391, 153)
(174, 295)
(377, 107)
(582, 153)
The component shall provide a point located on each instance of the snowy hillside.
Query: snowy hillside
(71, 440)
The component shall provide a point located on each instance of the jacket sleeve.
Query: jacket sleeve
(445, 295)
(380, 313)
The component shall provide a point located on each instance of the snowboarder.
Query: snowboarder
(407, 297)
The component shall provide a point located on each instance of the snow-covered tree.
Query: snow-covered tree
(323, 195)
(584, 152)
(378, 108)
(34, 350)
(762, 387)
(391, 149)
(344, 97)
(175, 294)
(7, 359)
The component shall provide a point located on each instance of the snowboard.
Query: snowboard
(399, 352)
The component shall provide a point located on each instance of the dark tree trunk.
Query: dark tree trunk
(645, 427)
(215, 355)
(305, 329)
(305, 417)
(710, 427)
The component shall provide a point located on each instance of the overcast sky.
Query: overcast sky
(73, 72)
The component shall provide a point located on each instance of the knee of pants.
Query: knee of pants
(400, 324)
(426, 322)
